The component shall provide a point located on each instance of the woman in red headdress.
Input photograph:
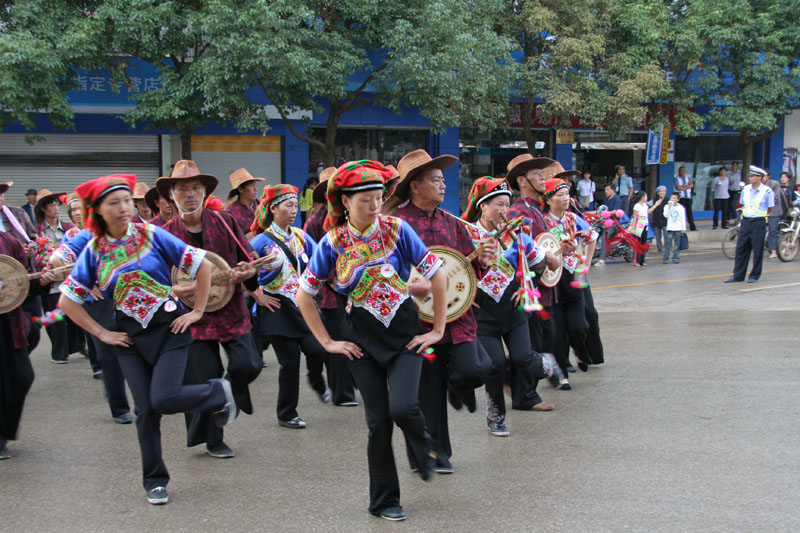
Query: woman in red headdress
(130, 263)
(369, 257)
(497, 304)
(282, 324)
(572, 327)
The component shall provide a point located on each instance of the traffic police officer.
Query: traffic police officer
(757, 201)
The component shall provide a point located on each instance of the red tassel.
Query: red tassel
(429, 356)
(543, 314)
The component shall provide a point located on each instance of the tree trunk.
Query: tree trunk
(186, 143)
(330, 139)
(527, 122)
(652, 181)
(746, 146)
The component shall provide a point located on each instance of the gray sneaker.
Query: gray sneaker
(498, 429)
(124, 418)
(157, 496)
(5, 453)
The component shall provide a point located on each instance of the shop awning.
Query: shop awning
(610, 146)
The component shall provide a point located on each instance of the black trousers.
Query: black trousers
(65, 336)
(288, 351)
(16, 378)
(524, 362)
(205, 364)
(571, 326)
(721, 207)
(687, 205)
(733, 203)
(340, 379)
(464, 367)
(752, 232)
(113, 379)
(391, 396)
(594, 344)
(157, 391)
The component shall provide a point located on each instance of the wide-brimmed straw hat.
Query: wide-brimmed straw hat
(186, 170)
(151, 199)
(416, 162)
(318, 196)
(45, 197)
(522, 164)
(139, 190)
(555, 170)
(238, 178)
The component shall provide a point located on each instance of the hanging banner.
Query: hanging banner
(655, 142)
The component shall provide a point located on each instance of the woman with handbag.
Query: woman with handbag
(282, 324)
(131, 263)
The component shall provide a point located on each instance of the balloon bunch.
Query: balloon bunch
(49, 318)
(42, 250)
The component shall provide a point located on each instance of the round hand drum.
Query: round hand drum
(14, 284)
(549, 243)
(461, 285)
(221, 287)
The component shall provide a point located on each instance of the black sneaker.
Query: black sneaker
(443, 468)
(97, 374)
(347, 403)
(229, 412)
(393, 513)
(498, 429)
(157, 496)
(59, 361)
(222, 451)
(5, 453)
(124, 418)
(294, 423)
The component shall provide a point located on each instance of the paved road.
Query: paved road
(692, 424)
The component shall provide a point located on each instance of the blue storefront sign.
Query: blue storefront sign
(654, 145)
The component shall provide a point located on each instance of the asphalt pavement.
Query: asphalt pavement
(692, 424)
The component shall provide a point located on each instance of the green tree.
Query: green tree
(595, 60)
(42, 43)
(440, 56)
(754, 58)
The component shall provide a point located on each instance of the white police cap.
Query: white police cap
(755, 171)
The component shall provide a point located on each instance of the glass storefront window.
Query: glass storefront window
(487, 153)
(597, 152)
(352, 144)
(703, 156)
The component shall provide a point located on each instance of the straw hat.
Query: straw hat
(45, 197)
(522, 164)
(186, 170)
(139, 190)
(555, 170)
(240, 177)
(322, 187)
(5, 186)
(151, 199)
(416, 162)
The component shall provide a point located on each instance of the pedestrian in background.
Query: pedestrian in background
(656, 212)
(675, 216)
(639, 224)
(734, 189)
(775, 215)
(623, 185)
(28, 208)
(307, 198)
(685, 185)
(586, 189)
(786, 192)
(720, 187)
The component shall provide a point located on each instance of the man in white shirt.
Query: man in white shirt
(684, 185)
(757, 201)
(734, 189)
(586, 190)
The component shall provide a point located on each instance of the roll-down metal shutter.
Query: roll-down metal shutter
(64, 161)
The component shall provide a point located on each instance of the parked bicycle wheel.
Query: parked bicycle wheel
(729, 243)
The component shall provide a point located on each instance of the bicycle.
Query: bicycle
(730, 237)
